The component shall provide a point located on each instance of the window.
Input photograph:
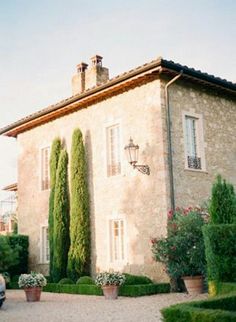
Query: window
(117, 240)
(113, 150)
(44, 245)
(194, 145)
(45, 180)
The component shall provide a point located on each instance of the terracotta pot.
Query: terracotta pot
(193, 284)
(33, 294)
(110, 292)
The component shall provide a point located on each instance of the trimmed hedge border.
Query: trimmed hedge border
(125, 290)
(12, 286)
(144, 289)
(226, 288)
(220, 309)
(219, 288)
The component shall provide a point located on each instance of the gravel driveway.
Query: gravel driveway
(55, 307)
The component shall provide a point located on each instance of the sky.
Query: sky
(43, 41)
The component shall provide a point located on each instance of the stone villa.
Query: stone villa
(184, 122)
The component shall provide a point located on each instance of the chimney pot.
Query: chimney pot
(96, 60)
(86, 78)
(81, 67)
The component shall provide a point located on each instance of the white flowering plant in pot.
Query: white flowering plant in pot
(109, 278)
(32, 280)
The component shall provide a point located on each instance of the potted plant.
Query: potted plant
(183, 251)
(110, 282)
(32, 284)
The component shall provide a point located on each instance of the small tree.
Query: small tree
(222, 207)
(61, 239)
(54, 157)
(79, 253)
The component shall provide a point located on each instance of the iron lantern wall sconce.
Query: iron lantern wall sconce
(131, 151)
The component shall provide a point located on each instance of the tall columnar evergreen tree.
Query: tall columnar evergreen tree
(222, 207)
(54, 157)
(79, 253)
(61, 238)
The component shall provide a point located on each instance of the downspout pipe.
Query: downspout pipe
(169, 139)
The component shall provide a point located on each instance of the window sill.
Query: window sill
(118, 263)
(196, 170)
(45, 190)
(115, 176)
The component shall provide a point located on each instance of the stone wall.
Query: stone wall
(140, 199)
(193, 187)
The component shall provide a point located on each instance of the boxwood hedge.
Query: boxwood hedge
(125, 290)
(219, 288)
(221, 309)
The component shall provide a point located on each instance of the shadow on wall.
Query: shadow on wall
(145, 212)
(89, 159)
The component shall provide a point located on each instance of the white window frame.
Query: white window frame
(42, 168)
(121, 260)
(200, 145)
(109, 125)
(44, 245)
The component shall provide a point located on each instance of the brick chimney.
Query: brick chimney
(78, 80)
(96, 74)
(85, 78)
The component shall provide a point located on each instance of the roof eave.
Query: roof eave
(9, 130)
(159, 65)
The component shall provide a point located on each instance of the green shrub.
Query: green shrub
(136, 279)
(73, 289)
(220, 309)
(86, 280)
(220, 245)
(49, 279)
(66, 281)
(9, 255)
(90, 289)
(21, 243)
(125, 290)
(225, 288)
(79, 253)
(222, 207)
(144, 289)
(220, 288)
(13, 286)
(61, 240)
(54, 158)
(15, 279)
(182, 251)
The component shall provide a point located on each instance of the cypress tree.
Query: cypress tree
(54, 157)
(79, 253)
(223, 202)
(61, 239)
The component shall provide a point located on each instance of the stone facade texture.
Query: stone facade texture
(193, 187)
(141, 200)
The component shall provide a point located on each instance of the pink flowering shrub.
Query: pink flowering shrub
(182, 251)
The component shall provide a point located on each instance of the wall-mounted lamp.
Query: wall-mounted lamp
(132, 156)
